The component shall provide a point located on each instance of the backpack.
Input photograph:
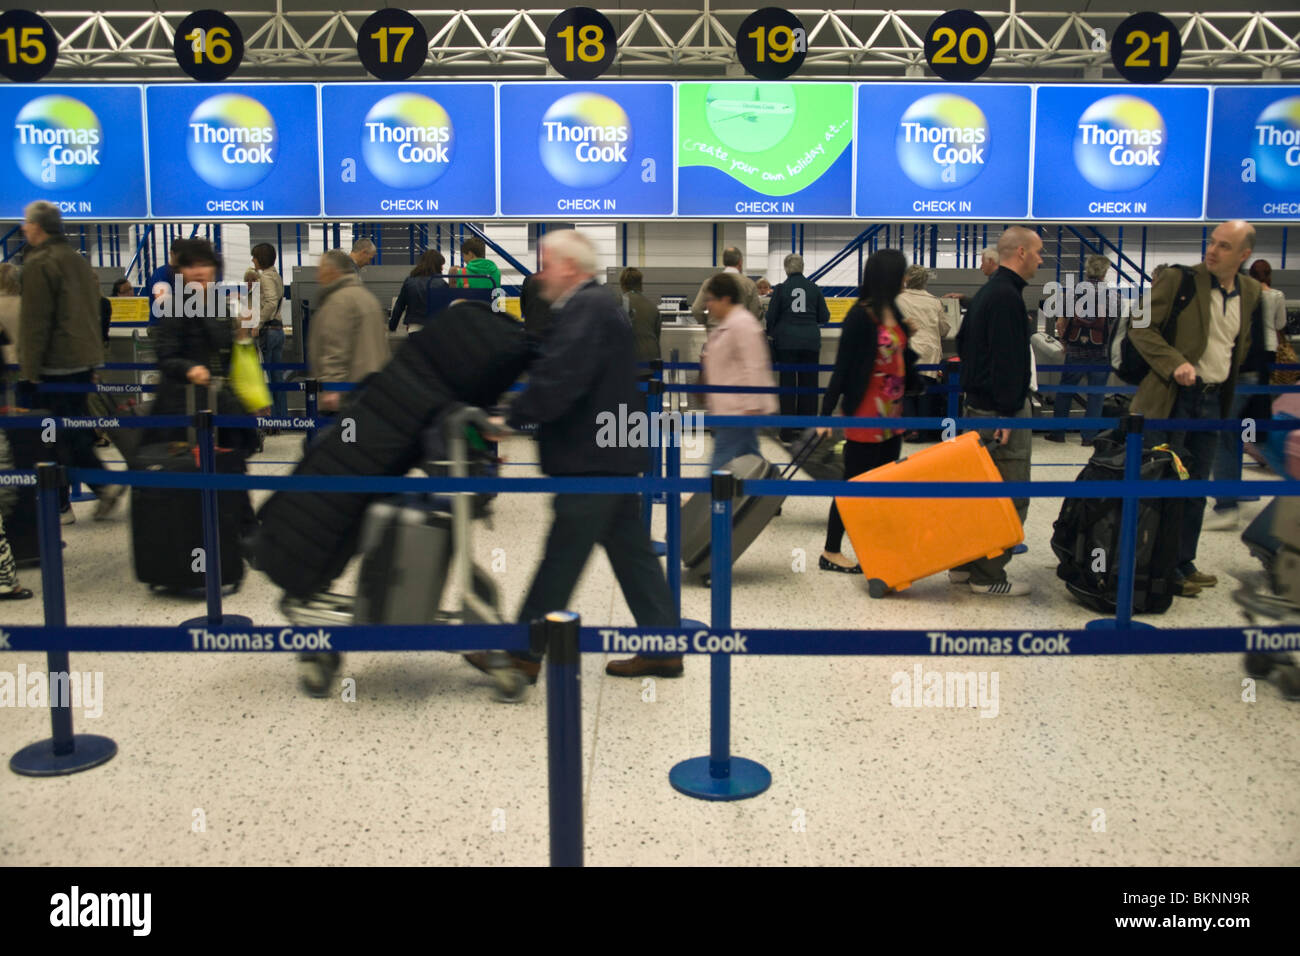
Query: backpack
(1085, 536)
(1125, 360)
(458, 277)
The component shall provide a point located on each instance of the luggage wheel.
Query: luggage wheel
(878, 588)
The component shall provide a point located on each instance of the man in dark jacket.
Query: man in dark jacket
(995, 369)
(795, 314)
(60, 340)
(586, 371)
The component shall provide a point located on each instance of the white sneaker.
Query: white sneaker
(958, 577)
(110, 496)
(1001, 588)
(1226, 520)
(67, 517)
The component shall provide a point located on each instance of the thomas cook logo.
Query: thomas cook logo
(232, 141)
(57, 142)
(1275, 144)
(585, 139)
(1120, 143)
(942, 141)
(407, 140)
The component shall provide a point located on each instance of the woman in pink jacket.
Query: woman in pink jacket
(735, 354)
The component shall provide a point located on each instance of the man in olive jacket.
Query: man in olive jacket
(1196, 376)
(60, 339)
(348, 339)
(795, 315)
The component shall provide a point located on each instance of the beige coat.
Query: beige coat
(1155, 396)
(736, 353)
(748, 297)
(927, 324)
(271, 288)
(348, 336)
(9, 306)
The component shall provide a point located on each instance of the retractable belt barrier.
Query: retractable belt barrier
(718, 776)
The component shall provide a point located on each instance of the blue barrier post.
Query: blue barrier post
(673, 517)
(311, 388)
(720, 776)
(211, 532)
(64, 752)
(655, 409)
(1123, 620)
(558, 632)
(954, 394)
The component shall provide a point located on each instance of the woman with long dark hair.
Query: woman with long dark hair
(424, 292)
(873, 366)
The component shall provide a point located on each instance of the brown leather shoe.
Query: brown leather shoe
(488, 661)
(645, 667)
(1201, 579)
(1187, 589)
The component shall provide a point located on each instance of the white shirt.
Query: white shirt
(1215, 364)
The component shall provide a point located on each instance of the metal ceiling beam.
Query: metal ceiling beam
(669, 43)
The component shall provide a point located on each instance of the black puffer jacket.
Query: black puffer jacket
(307, 538)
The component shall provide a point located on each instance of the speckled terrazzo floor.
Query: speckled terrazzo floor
(425, 768)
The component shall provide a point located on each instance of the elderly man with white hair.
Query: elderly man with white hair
(584, 378)
(988, 266)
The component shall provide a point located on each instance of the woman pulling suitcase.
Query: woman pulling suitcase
(874, 367)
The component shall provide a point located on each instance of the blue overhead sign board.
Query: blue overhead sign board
(938, 152)
(421, 150)
(80, 147)
(1255, 153)
(1102, 152)
(571, 150)
(765, 149)
(229, 151)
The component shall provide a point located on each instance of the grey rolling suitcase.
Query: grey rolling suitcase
(749, 515)
(1047, 351)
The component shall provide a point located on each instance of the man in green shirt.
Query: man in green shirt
(472, 252)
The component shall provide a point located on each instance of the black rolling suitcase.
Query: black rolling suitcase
(167, 523)
(749, 516)
(25, 450)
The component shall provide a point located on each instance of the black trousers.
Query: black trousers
(614, 522)
(859, 457)
(797, 404)
(73, 447)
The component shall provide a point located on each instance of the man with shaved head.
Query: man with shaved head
(1195, 356)
(995, 369)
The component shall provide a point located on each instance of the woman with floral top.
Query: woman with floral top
(873, 367)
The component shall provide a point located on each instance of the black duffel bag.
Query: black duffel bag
(1086, 536)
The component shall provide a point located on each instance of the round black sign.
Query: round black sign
(959, 45)
(208, 45)
(581, 43)
(1146, 48)
(392, 44)
(771, 43)
(28, 46)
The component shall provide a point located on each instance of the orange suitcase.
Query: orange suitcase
(901, 540)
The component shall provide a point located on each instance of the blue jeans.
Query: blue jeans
(271, 344)
(731, 443)
(1095, 399)
(1227, 458)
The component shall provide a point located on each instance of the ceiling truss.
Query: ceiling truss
(676, 44)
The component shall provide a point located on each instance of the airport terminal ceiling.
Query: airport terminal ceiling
(1037, 41)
